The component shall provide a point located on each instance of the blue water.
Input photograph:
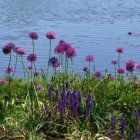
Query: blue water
(93, 26)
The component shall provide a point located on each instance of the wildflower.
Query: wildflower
(138, 114)
(55, 65)
(98, 74)
(67, 46)
(62, 42)
(32, 57)
(51, 35)
(40, 87)
(121, 70)
(89, 58)
(67, 85)
(53, 60)
(123, 127)
(85, 69)
(9, 69)
(20, 51)
(8, 48)
(130, 65)
(71, 52)
(114, 61)
(33, 35)
(120, 50)
(2, 81)
(60, 49)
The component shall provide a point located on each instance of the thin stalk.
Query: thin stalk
(22, 65)
(115, 70)
(15, 67)
(33, 46)
(49, 56)
(119, 60)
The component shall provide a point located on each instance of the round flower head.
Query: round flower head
(15, 49)
(53, 60)
(89, 58)
(56, 65)
(20, 51)
(85, 69)
(9, 69)
(62, 42)
(71, 52)
(59, 49)
(130, 65)
(121, 70)
(2, 82)
(39, 87)
(8, 48)
(67, 46)
(98, 74)
(32, 57)
(114, 61)
(33, 35)
(51, 35)
(120, 50)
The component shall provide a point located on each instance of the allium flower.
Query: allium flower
(121, 70)
(40, 87)
(20, 51)
(56, 65)
(8, 48)
(71, 52)
(114, 61)
(53, 60)
(67, 46)
(32, 57)
(33, 35)
(51, 35)
(85, 69)
(130, 65)
(138, 66)
(60, 49)
(89, 58)
(120, 50)
(2, 82)
(9, 69)
(98, 74)
(62, 42)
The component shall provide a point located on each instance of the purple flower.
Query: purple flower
(32, 57)
(56, 65)
(121, 70)
(40, 87)
(123, 127)
(60, 49)
(67, 46)
(8, 48)
(71, 52)
(62, 42)
(20, 51)
(98, 74)
(33, 35)
(114, 61)
(51, 35)
(9, 69)
(89, 58)
(138, 114)
(130, 65)
(67, 85)
(138, 66)
(120, 50)
(2, 82)
(85, 69)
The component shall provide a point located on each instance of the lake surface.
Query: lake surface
(93, 26)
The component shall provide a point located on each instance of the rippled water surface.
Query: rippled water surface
(93, 26)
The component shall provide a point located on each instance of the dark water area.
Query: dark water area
(94, 27)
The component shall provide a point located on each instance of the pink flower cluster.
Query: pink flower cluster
(33, 35)
(32, 57)
(8, 48)
(89, 58)
(51, 35)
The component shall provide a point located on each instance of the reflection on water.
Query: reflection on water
(93, 26)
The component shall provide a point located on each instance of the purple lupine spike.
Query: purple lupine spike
(138, 114)
(50, 91)
(123, 127)
(67, 85)
(113, 122)
(61, 108)
(138, 133)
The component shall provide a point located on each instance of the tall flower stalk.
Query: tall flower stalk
(50, 35)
